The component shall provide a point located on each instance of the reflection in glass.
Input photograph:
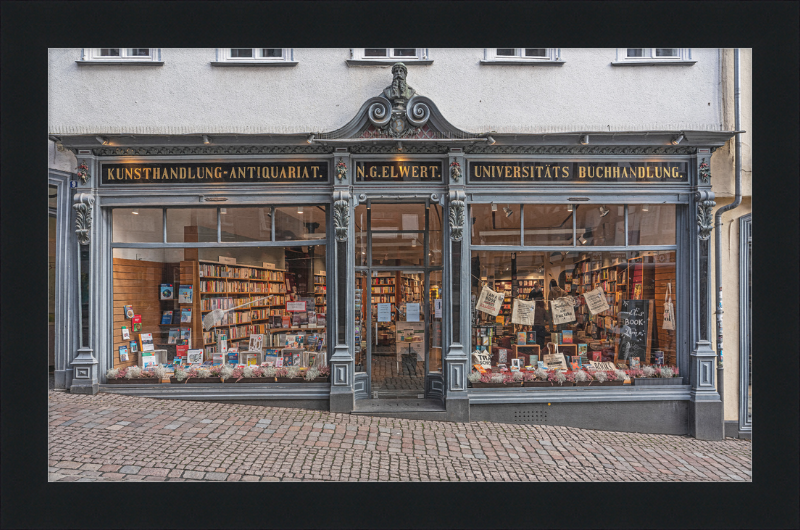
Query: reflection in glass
(394, 217)
(398, 249)
(495, 224)
(360, 223)
(191, 225)
(651, 224)
(300, 222)
(436, 313)
(600, 225)
(548, 224)
(139, 225)
(246, 224)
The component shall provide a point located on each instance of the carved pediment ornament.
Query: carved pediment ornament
(399, 113)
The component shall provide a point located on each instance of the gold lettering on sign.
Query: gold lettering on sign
(360, 171)
(403, 171)
(423, 172)
(415, 172)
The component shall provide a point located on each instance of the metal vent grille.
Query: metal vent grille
(532, 415)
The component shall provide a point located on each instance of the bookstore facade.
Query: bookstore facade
(524, 278)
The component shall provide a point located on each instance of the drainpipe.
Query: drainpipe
(718, 220)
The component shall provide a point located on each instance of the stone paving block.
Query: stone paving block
(130, 470)
(199, 475)
(216, 476)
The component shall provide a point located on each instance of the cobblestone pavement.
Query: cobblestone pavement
(111, 437)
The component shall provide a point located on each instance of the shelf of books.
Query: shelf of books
(504, 286)
(320, 293)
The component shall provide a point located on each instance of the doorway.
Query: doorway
(399, 310)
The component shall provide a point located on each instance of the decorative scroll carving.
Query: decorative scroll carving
(407, 149)
(215, 150)
(83, 171)
(341, 218)
(398, 113)
(341, 170)
(705, 172)
(417, 112)
(705, 219)
(83, 217)
(456, 220)
(455, 170)
(578, 150)
(379, 113)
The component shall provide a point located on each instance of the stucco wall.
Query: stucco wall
(187, 95)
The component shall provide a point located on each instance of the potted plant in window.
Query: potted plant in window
(132, 375)
(490, 380)
(664, 375)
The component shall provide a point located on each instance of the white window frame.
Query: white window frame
(551, 54)
(93, 54)
(224, 55)
(683, 57)
(358, 54)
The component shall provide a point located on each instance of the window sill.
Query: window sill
(254, 63)
(521, 62)
(647, 62)
(388, 62)
(120, 63)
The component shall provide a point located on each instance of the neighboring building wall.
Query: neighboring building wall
(187, 95)
(723, 178)
(61, 160)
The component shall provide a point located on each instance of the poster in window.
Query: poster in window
(384, 312)
(412, 312)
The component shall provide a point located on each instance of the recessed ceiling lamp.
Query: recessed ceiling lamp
(584, 139)
(223, 211)
(508, 211)
(135, 212)
(604, 211)
(299, 209)
(569, 207)
(645, 207)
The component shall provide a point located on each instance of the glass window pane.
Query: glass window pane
(138, 52)
(297, 223)
(535, 52)
(246, 224)
(375, 52)
(137, 225)
(636, 286)
(395, 217)
(549, 224)
(435, 248)
(506, 52)
(191, 225)
(666, 52)
(241, 52)
(435, 217)
(360, 327)
(405, 52)
(272, 52)
(635, 52)
(360, 223)
(435, 298)
(500, 227)
(390, 249)
(109, 52)
(651, 224)
(602, 225)
(52, 197)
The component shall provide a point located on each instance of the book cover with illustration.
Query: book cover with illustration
(521, 337)
(286, 321)
(531, 339)
(233, 357)
(583, 348)
(186, 315)
(146, 342)
(123, 354)
(166, 317)
(128, 310)
(566, 336)
(149, 360)
(634, 363)
(185, 294)
(181, 351)
(134, 346)
(137, 323)
(321, 320)
(217, 359)
(185, 335)
(252, 359)
(126, 335)
(166, 291)
(172, 338)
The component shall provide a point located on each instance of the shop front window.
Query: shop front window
(570, 308)
(242, 309)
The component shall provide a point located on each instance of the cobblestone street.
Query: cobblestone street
(110, 437)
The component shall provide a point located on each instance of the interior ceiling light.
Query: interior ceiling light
(508, 211)
(645, 207)
(299, 209)
(494, 207)
(604, 211)
(569, 207)
(414, 242)
(135, 212)
(223, 211)
(583, 239)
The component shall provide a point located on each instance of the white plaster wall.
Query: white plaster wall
(187, 95)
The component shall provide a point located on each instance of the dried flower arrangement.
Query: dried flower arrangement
(541, 374)
(665, 372)
(498, 378)
(474, 377)
(159, 371)
(581, 376)
(180, 373)
(215, 371)
(570, 377)
(649, 371)
(528, 377)
(324, 371)
(292, 371)
(226, 372)
(281, 372)
(486, 378)
(202, 372)
(601, 376)
(556, 376)
(621, 375)
(311, 374)
(518, 376)
(635, 372)
(508, 379)
(269, 371)
(611, 375)
(133, 372)
(112, 373)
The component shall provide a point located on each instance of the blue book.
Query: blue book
(166, 317)
(186, 315)
(185, 294)
(233, 357)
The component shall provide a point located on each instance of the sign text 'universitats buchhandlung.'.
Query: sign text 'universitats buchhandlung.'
(583, 172)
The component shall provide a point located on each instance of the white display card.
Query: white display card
(522, 312)
(384, 312)
(490, 301)
(563, 311)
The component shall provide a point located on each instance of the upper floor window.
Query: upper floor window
(254, 57)
(653, 56)
(388, 56)
(116, 55)
(522, 56)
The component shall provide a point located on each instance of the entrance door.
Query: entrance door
(398, 280)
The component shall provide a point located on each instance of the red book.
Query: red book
(596, 356)
(180, 351)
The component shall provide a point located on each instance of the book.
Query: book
(566, 336)
(634, 363)
(128, 310)
(123, 354)
(134, 346)
(294, 341)
(185, 335)
(149, 360)
(172, 338)
(166, 317)
(167, 292)
(275, 321)
(233, 357)
(531, 339)
(321, 320)
(658, 358)
(194, 356)
(137, 323)
(554, 338)
(597, 356)
(286, 321)
(181, 351)
(583, 348)
(186, 315)
(126, 335)
(185, 294)
(217, 359)
(222, 345)
(251, 359)
(521, 337)
(146, 342)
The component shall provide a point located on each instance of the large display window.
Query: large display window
(245, 309)
(574, 309)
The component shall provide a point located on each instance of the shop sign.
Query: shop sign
(583, 172)
(215, 173)
(399, 171)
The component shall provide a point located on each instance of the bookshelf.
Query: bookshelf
(504, 286)
(320, 292)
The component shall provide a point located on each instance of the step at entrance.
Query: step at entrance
(412, 409)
